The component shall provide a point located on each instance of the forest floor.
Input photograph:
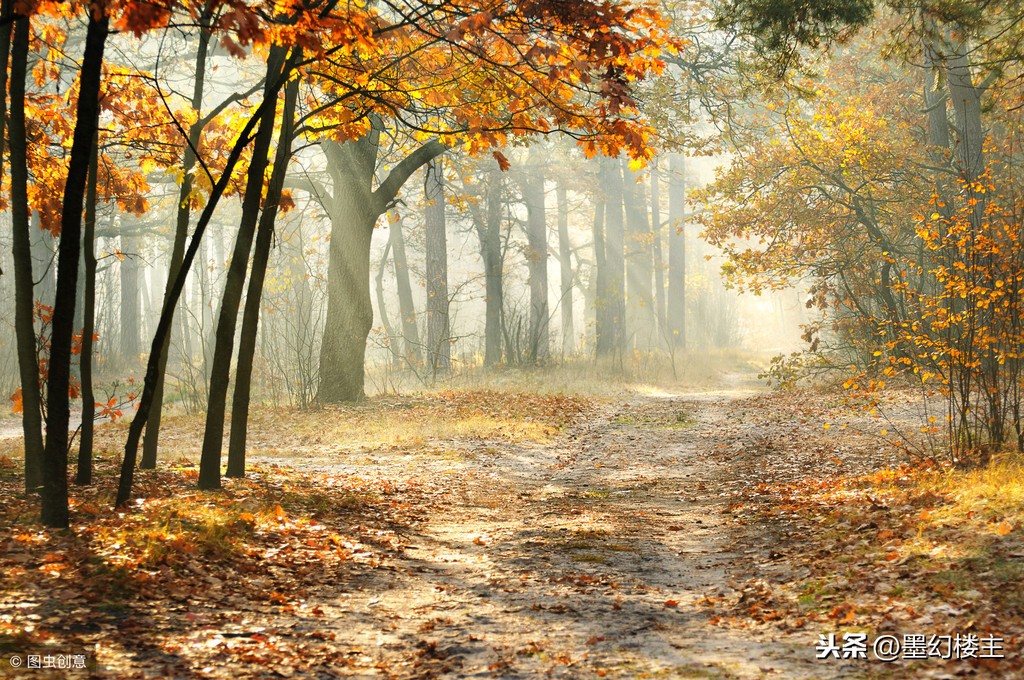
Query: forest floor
(715, 534)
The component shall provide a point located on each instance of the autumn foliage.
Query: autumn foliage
(905, 237)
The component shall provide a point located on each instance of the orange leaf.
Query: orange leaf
(671, 603)
(16, 398)
(502, 161)
(1003, 528)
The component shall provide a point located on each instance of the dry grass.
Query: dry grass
(381, 424)
(613, 377)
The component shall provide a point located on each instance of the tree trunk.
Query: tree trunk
(565, 270)
(84, 473)
(220, 372)
(55, 452)
(438, 336)
(675, 311)
(43, 245)
(390, 331)
(188, 162)
(22, 251)
(537, 260)
(656, 252)
(260, 258)
(163, 327)
(406, 306)
(354, 208)
(640, 314)
(349, 309)
(615, 280)
(602, 304)
(5, 55)
(129, 300)
(494, 265)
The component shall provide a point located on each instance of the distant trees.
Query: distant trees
(896, 199)
(431, 78)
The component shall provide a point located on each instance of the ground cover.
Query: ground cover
(499, 533)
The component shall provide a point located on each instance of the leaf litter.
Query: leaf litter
(710, 535)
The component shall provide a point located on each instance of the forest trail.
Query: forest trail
(595, 555)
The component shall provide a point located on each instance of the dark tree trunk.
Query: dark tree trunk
(438, 337)
(565, 270)
(676, 303)
(5, 54)
(220, 372)
(150, 444)
(537, 260)
(406, 306)
(84, 473)
(354, 208)
(55, 452)
(251, 314)
(163, 327)
(22, 251)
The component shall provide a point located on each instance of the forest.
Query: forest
(577, 339)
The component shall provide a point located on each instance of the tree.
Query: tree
(354, 207)
(21, 246)
(279, 65)
(487, 222)
(565, 268)
(471, 77)
(611, 337)
(901, 221)
(675, 310)
(261, 254)
(438, 331)
(531, 181)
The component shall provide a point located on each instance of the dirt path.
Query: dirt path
(589, 557)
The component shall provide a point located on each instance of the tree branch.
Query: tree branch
(385, 194)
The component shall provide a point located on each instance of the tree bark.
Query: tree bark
(494, 265)
(163, 327)
(129, 300)
(537, 260)
(656, 250)
(675, 311)
(188, 162)
(260, 258)
(220, 371)
(406, 306)
(438, 335)
(565, 271)
(24, 324)
(54, 511)
(83, 474)
(354, 208)
(615, 280)
(640, 303)
(602, 305)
